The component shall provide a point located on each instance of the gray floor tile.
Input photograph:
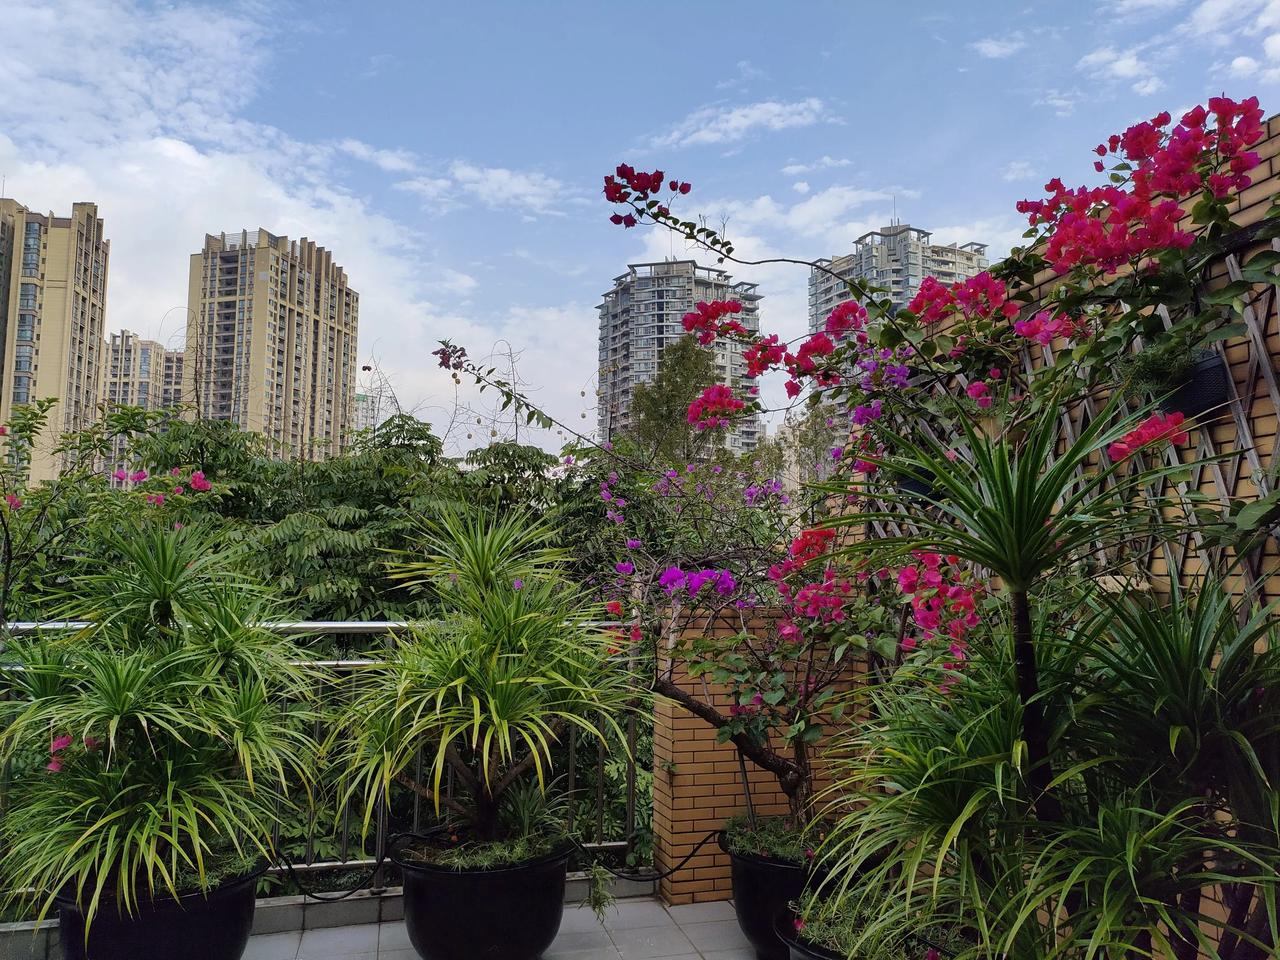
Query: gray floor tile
(633, 914)
(273, 946)
(569, 940)
(716, 935)
(334, 942)
(599, 953)
(646, 943)
(393, 936)
(702, 912)
(409, 954)
(746, 953)
(580, 919)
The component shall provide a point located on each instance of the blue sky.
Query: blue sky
(450, 154)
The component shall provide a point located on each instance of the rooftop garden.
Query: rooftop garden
(1003, 707)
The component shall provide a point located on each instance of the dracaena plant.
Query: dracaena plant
(1165, 742)
(1022, 505)
(157, 745)
(488, 692)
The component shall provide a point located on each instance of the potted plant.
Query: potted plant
(486, 693)
(756, 627)
(167, 732)
(1181, 375)
(817, 929)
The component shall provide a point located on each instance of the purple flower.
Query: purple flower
(626, 567)
(633, 544)
(671, 579)
(517, 584)
(569, 461)
(837, 453)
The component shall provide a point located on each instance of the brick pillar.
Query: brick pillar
(697, 787)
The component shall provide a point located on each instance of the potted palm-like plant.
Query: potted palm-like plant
(160, 742)
(484, 695)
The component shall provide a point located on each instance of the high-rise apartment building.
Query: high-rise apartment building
(897, 257)
(171, 383)
(133, 371)
(271, 341)
(642, 315)
(133, 375)
(367, 414)
(53, 304)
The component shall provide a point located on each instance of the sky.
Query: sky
(451, 154)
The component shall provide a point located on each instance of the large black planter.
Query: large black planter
(762, 888)
(1204, 389)
(508, 914)
(213, 926)
(796, 948)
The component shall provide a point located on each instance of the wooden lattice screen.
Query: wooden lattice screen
(1236, 447)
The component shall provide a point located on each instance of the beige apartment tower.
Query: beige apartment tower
(897, 258)
(271, 341)
(133, 375)
(53, 305)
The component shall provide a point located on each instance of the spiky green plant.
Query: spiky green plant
(488, 691)
(1166, 759)
(1021, 505)
(172, 725)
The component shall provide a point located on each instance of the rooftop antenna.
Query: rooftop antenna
(894, 218)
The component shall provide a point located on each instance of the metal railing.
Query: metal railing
(583, 765)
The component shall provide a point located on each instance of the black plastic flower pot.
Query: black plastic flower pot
(197, 926)
(1205, 389)
(797, 949)
(762, 889)
(512, 913)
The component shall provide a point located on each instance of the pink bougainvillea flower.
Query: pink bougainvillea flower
(54, 766)
(614, 607)
(13, 501)
(61, 743)
(198, 483)
(1157, 428)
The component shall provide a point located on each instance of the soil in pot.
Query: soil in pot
(762, 889)
(508, 913)
(198, 926)
(1204, 390)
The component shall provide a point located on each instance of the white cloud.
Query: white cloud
(800, 186)
(997, 48)
(822, 163)
(1062, 102)
(746, 73)
(1108, 63)
(1243, 67)
(1126, 8)
(110, 101)
(392, 161)
(1271, 46)
(1018, 170)
(728, 124)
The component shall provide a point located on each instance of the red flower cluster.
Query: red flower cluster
(708, 320)
(979, 298)
(1155, 429)
(1109, 226)
(629, 185)
(765, 354)
(848, 317)
(714, 407)
(824, 601)
(942, 605)
(810, 545)
(1047, 326)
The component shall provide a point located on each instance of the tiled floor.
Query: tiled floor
(634, 930)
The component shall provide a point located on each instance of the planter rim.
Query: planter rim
(783, 926)
(560, 852)
(723, 840)
(64, 898)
